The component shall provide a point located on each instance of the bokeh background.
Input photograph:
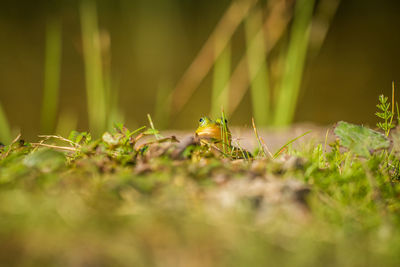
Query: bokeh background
(146, 47)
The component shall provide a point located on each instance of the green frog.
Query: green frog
(210, 130)
(217, 133)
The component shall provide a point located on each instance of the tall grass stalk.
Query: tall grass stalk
(67, 121)
(202, 64)
(225, 133)
(294, 63)
(95, 87)
(274, 26)
(52, 70)
(114, 113)
(221, 76)
(5, 131)
(162, 110)
(257, 65)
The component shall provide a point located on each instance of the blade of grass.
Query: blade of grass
(52, 71)
(157, 136)
(163, 105)
(225, 133)
(68, 120)
(136, 131)
(258, 71)
(294, 63)
(392, 97)
(5, 132)
(110, 84)
(288, 143)
(221, 75)
(260, 147)
(391, 117)
(114, 114)
(93, 68)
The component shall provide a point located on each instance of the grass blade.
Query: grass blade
(222, 71)
(5, 132)
(260, 146)
(67, 121)
(256, 59)
(294, 63)
(156, 134)
(225, 133)
(288, 143)
(162, 108)
(93, 68)
(52, 71)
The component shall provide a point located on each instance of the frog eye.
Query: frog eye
(201, 120)
(226, 121)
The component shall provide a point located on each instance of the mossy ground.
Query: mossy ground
(113, 202)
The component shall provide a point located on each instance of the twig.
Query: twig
(10, 145)
(56, 147)
(60, 138)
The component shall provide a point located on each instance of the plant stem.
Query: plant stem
(258, 71)
(93, 68)
(294, 63)
(51, 74)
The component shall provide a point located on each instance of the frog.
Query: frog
(213, 131)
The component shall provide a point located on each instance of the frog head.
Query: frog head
(212, 130)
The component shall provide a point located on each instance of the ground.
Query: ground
(123, 201)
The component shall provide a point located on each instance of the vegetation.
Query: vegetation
(278, 42)
(138, 198)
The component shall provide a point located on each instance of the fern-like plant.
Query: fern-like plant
(385, 114)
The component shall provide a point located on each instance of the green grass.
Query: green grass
(5, 131)
(295, 60)
(95, 81)
(274, 91)
(136, 198)
(132, 198)
(274, 34)
(258, 68)
(52, 70)
(221, 74)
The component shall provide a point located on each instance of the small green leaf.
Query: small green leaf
(359, 139)
(79, 138)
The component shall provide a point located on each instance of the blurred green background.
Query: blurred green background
(138, 51)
